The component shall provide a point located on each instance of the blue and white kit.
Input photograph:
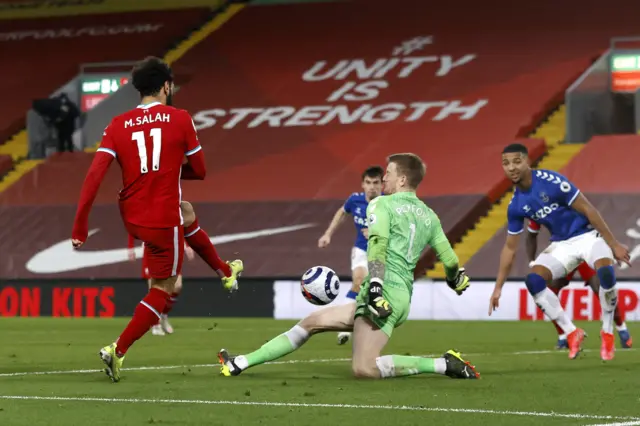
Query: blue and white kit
(548, 202)
(356, 206)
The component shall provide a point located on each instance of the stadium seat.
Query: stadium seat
(289, 114)
(41, 55)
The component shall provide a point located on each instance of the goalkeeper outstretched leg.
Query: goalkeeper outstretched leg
(334, 318)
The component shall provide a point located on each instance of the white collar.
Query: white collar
(147, 106)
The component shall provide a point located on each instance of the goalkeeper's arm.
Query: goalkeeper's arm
(376, 259)
(456, 278)
(445, 253)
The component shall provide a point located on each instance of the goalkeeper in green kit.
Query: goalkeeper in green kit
(400, 228)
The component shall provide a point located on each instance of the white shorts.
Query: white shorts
(562, 257)
(358, 258)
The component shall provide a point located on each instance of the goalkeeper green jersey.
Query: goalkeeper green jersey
(409, 226)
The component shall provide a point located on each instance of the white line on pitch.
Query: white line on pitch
(293, 361)
(631, 423)
(167, 367)
(303, 405)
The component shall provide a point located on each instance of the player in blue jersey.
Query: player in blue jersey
(578, 233)
(356, 206)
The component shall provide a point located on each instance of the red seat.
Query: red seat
(41, 55)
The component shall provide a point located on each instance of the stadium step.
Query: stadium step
(20, 169)
(216, 21)
(17, 147)
(557, 156)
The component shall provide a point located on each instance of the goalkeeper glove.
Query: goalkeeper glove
(460, 283)
(378, 306)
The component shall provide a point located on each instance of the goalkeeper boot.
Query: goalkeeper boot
(229, 367)
(458, 368)
(112, 361)
(230, 283)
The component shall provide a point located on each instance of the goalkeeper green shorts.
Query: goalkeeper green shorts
(399, 299)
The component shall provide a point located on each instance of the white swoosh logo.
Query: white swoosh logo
(61, 257)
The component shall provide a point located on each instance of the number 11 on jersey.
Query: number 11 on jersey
(156, 138)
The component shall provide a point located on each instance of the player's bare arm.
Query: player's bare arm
(379, 224)
(507, 256)
(376, 258)
(376, 264)
(584, 206)
(337, 220)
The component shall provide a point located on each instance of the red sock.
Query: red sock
(145, 316)
(173, 298)
(618, 316)
(199, 241)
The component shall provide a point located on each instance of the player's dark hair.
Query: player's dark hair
(373, 172)
(149, 75)
(409, 165)
(515, 148)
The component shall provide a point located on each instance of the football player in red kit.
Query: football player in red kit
(150, 143)
(164, 326)
(590, 279)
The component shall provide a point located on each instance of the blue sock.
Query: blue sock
(535, 283)
(352, 295)
(607, 277)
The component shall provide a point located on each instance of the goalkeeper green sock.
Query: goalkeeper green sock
(275, 348)
(398, 365)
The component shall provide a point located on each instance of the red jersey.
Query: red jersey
(150, 143)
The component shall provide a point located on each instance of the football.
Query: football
(320, 285)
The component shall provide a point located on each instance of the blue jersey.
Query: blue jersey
(548, 202)
(356, 206)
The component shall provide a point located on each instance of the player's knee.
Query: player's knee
(188, 214)
(607, 277)
(535, 283)
(312, 323)
(177, 287)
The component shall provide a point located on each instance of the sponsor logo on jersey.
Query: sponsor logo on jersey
(544, 197)
(545, 211)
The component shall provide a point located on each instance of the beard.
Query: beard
(170, 98)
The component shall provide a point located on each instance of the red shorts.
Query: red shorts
(163, 250)
(586, 273)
